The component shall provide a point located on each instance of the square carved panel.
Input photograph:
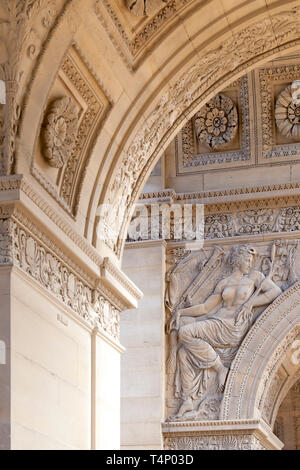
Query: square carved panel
(134, 36)
(75, 112)
(192, 155)
(270, 81)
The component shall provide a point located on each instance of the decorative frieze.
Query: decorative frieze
(252, 434)
(31, 251)
(219, 442)
(221, 225)
(70, 124)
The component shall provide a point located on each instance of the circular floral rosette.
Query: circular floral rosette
(60, 131)
(287, 114)
(144, 7)
(217, 122)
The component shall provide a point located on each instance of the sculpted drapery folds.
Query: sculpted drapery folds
(206, 336)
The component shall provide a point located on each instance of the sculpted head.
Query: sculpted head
(242, 258)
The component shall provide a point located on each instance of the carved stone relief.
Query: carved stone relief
(59, 131)
(213, 297)
(220, 442)
(238, 49)
(217, 122)
(21, 20)
(277, 143)
(228, 224)
(236, 146)
(144, 7)
(156, 15)
(287, 114)
(19, 247)
(71, 122)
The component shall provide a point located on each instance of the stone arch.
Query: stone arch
(160, 108)
(177, 103)
(266, 365)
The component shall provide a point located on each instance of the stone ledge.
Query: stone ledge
(239, 434)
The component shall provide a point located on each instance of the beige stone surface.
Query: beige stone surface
(137, 83)
(142, 365)
(52, 361)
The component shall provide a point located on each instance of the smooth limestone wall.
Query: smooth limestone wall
(142, 364)
(50, 373)
(5, 308)
(60, 385)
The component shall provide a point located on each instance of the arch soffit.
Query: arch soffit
(178, 102)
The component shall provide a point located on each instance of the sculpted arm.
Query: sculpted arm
(202, 309)
(269, 291)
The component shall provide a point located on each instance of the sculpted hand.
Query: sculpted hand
(174, 321)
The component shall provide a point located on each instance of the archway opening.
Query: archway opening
(287, 424)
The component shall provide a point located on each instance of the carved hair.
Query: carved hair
(239, 252)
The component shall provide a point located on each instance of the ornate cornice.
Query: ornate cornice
(25, 246)
(229, 434)
(18, 182)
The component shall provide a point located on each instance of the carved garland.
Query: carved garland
(220, 442)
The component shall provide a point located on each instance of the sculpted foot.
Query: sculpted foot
(222, 375)
(187, 405)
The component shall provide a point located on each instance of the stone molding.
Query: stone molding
(236, 218)
(26, 247)
(21, 20)
(252, 434)
(97, 303)
(133, 48)
(13, 186)
(272, 330)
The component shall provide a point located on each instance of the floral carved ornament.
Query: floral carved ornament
(59, 131)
